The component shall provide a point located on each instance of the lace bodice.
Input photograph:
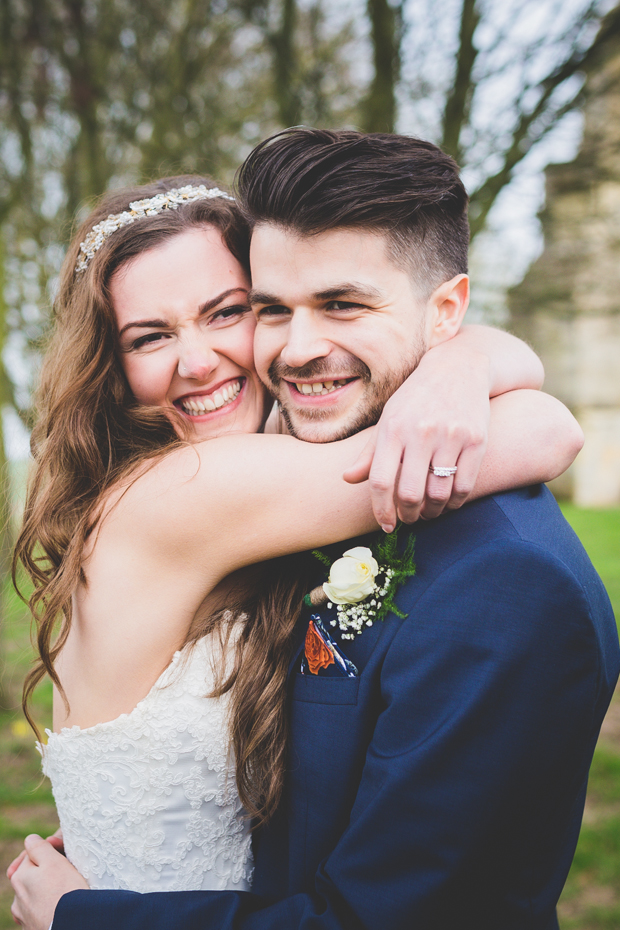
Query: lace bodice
(148, 802)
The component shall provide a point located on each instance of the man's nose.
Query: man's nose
(306, 340)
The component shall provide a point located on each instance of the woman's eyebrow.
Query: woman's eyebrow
(210, 304)
(144, 324)
(204, 308)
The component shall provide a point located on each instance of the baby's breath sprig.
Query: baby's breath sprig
(363, 583)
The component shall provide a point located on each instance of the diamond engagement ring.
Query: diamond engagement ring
(443, 471)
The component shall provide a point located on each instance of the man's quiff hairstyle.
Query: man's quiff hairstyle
(314, 180)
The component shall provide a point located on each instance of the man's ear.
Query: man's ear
(448, 304)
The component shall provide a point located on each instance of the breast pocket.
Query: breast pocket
(312, 689)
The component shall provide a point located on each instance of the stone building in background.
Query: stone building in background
(568, 305)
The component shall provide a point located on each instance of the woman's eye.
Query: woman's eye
(229, 313)
(149, 339)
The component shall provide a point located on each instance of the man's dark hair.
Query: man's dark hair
(314, 180)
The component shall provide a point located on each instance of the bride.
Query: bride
(168, 650)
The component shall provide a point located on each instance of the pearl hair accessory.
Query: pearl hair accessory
(151, 206)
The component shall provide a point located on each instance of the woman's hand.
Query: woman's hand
(439, 416)
(55, 840)
(39, 881)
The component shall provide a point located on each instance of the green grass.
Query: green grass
(591, 899)
(26, 803)
(599, 531)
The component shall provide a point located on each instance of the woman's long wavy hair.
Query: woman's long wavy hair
(90, 433)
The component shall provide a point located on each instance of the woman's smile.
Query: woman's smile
(202, 403)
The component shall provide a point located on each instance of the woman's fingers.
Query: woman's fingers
(57, 841)
(384, 479)
(15, 864)
(360, 470)
(469, 463)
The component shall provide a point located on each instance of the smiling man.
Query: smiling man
(438, 782)
(351, 293)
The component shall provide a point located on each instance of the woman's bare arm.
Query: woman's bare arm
(533, 438)
(242, 499)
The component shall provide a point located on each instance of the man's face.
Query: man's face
(339, 329)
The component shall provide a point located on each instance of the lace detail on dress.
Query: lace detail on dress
(148, 802)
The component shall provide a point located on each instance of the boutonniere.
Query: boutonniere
(363, 583)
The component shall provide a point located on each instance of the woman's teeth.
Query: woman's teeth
(321, 387)
(194, 407)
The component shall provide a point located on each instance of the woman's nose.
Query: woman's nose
(197, 360)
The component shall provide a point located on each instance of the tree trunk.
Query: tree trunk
(456, 111)
(379, 107)
(284, 66)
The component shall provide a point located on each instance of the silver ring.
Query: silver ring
(443, 471)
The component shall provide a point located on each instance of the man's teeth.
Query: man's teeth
(194, 407)
(321, 387)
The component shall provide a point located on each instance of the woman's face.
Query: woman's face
(186, 334)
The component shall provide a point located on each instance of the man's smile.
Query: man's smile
(313, 391)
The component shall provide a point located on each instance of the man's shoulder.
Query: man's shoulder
(526, 515)
(495, 534)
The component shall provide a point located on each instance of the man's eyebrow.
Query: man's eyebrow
(336, 292)
(349, 289)
(204, 308)
(261, 297)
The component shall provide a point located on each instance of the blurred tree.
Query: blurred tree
(379, 106)
(311, 80)
(488, 80)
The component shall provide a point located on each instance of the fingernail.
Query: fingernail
(387, 527)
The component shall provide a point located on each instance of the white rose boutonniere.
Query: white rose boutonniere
(362, 584)
(352, 578)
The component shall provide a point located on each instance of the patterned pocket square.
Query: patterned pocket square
(322, 656)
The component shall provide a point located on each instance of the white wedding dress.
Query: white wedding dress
(148, 802)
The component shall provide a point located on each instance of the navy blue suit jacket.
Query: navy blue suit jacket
(444, 787)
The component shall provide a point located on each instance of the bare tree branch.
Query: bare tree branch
(458, 102)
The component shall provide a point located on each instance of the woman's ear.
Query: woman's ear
(448, 304)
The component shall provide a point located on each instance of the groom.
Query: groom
(442, 784)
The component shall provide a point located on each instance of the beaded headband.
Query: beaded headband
(166, 200)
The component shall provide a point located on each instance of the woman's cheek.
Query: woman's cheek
(147, 380)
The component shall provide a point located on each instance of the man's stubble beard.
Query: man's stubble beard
(377, 394)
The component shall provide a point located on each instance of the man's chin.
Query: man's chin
(329, 428)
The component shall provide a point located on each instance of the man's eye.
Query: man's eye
(273, 312)
(343, 305)
(149, 339)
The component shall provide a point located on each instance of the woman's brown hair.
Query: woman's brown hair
(91, 432)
